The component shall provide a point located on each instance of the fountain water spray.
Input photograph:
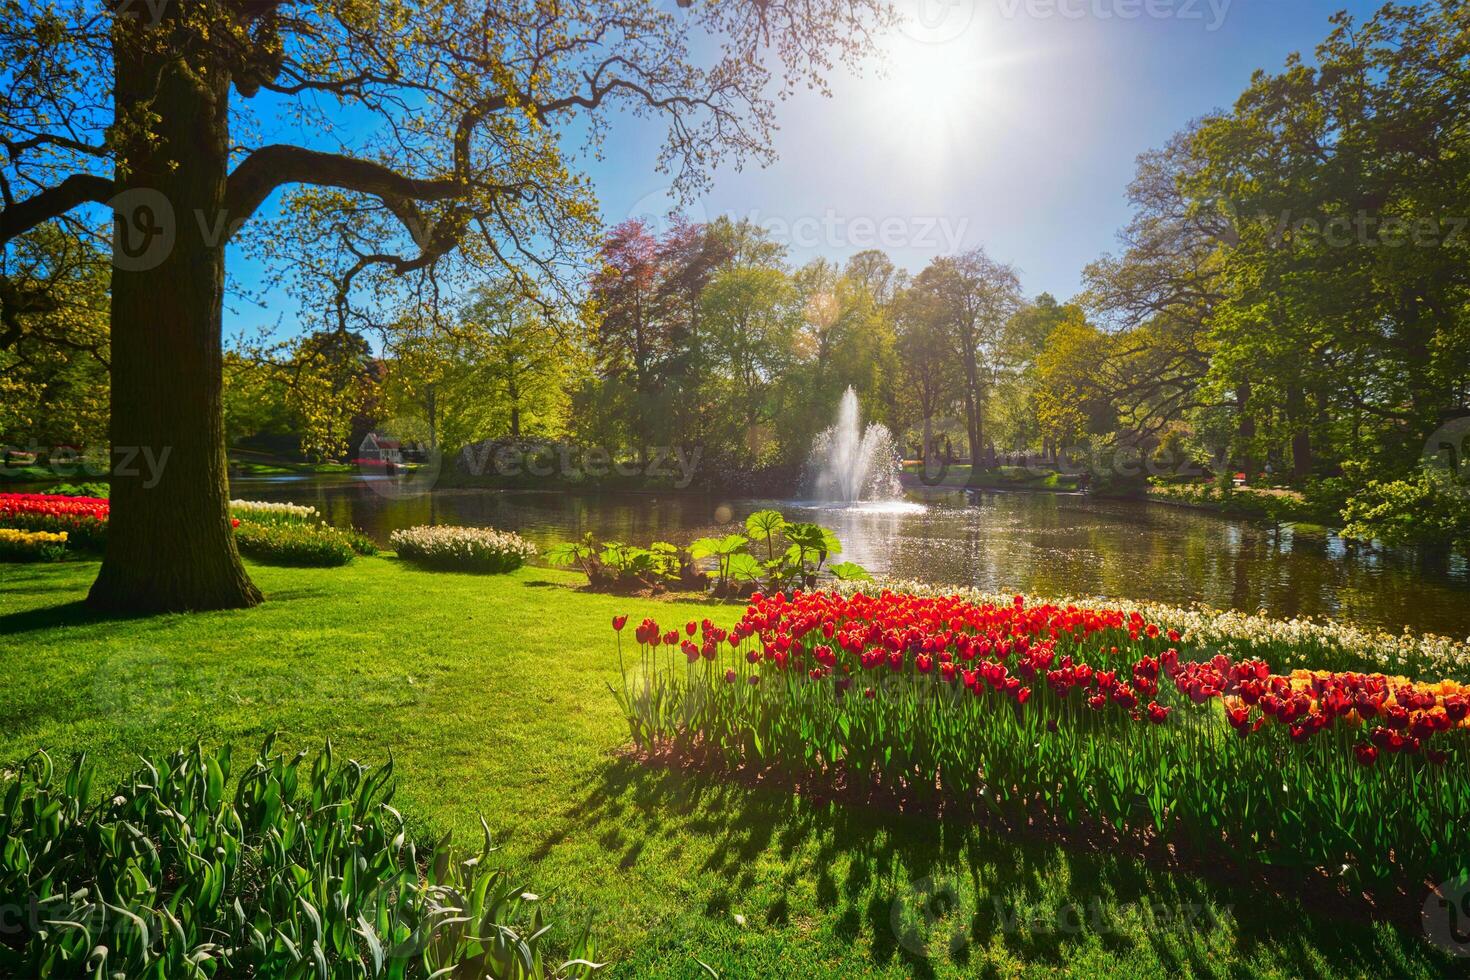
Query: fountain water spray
(849, 463)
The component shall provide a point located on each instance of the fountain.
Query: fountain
(850, 464)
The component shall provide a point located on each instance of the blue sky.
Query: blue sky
(1011, 124)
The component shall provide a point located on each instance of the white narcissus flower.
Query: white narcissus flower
(469, 544)
(265, 508)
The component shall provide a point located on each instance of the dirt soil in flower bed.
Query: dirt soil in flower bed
(1316, 889)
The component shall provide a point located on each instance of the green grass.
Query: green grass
(247, 467)
(999, 478)
(491, 693)
(12, 473)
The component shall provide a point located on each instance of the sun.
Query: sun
(933, 95)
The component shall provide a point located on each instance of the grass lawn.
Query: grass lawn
(491, 694)
(959, 475)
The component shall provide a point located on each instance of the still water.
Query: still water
(1050, 544)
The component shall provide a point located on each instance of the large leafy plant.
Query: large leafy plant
(773, 550)
(619, 566)
(733, 562)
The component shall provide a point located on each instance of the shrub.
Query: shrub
(88, 489)
(477, 549)
(32, 545)
(618, 567)
(361, 543)
(777, 552)
(292, 870)
(290, 543)
(1431, 508)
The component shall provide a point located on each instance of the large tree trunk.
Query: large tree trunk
(1246, 429)
(973, 425)
(170, 545)
(1301, 435)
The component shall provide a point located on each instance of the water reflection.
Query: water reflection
(1042, 543)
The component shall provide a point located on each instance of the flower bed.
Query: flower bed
(477, 549)
(294, 543)
(1089, 712)
(32, 545)
(84, 519)
(270, 512)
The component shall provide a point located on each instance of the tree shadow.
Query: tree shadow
(77, 613)
(74, 613)
(932, 894)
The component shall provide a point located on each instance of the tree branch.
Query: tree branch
(278, 164)
(53, 202)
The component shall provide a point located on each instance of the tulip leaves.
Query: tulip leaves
(290, 875)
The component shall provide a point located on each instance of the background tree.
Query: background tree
(929, 373)
(751, 313)
(254, 396)
(331, 392)
(53, 340)
(971, 297)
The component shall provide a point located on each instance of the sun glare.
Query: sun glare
(933, 94)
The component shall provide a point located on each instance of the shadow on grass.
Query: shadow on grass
(78, 613)
(75, 613)
(642, 594)
(930, 894)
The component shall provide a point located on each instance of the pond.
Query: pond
(1048, 544)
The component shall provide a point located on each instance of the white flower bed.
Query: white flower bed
(265, 512)
(1285, 643)
(474, 548)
